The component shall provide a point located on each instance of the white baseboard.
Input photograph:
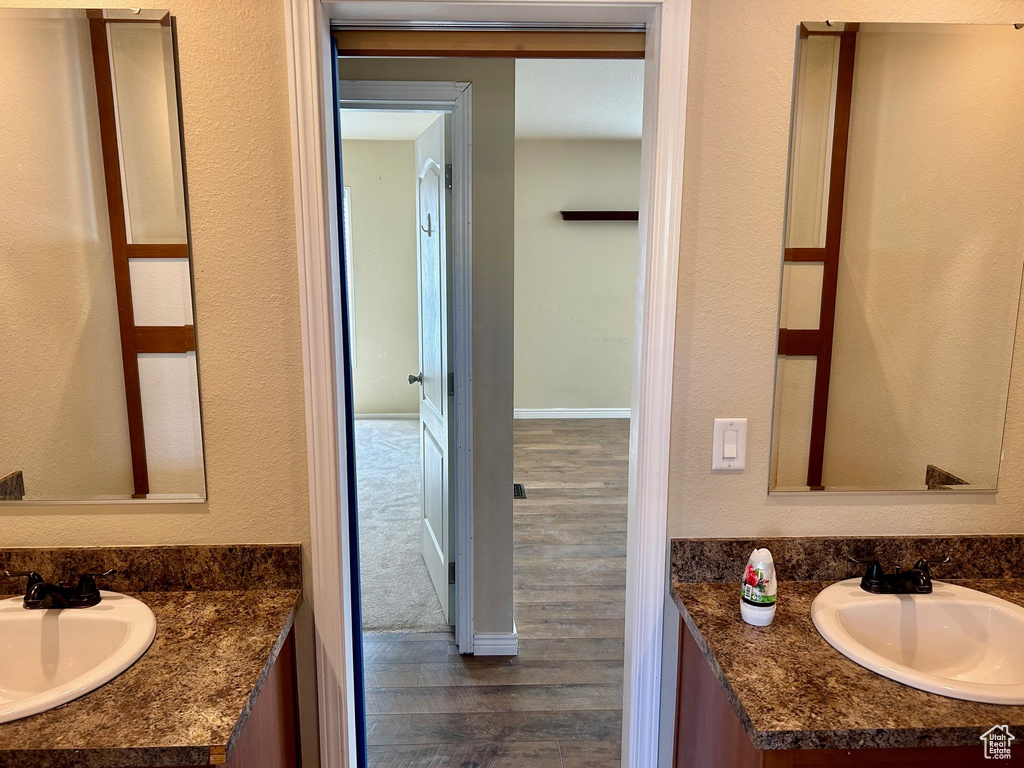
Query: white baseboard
(571, 413)
(497, 643)
(386, 416)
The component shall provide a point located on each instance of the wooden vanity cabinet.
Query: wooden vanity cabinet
(270, 737)
(710, 735)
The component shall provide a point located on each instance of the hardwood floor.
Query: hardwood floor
(559, 703)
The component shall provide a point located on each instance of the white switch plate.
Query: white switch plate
(718, 460)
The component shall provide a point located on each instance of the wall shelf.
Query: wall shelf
(600, 215)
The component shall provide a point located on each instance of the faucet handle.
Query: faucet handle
(87, 589)
(33, 577)
(925, 562)
(874, 577)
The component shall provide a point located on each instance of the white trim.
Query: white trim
(665, 76)
(456, 99)
(661, 206)
(369, 416)
(571, 413)
(462, 336)
(497, 643)
(313, 162)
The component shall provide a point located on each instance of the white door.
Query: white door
(435, 412)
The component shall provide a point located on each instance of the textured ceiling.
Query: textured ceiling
(579, 99)
(555, 99)
(384, 126)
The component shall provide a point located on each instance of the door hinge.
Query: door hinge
(451, 384)
(448, 175)
(451, 573)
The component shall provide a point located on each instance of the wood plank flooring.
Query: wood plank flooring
(559, 703)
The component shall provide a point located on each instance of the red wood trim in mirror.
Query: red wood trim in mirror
(799, 343)
(812, 255)
(833, 240)
(165, 338)
(119, 248)
(158, 251)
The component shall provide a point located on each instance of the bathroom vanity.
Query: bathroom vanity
(217, 686)
(782, 696)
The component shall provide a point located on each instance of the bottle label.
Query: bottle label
(758, 584)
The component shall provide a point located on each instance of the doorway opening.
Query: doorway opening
(561, 337)
(312, 75)
(395, 201)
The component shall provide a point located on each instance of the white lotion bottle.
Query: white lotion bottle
(758, 593)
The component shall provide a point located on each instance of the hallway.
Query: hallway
(559, 703)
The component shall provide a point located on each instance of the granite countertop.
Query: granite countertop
(186, 701)
(792, 690)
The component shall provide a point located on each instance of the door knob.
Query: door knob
(416, 378)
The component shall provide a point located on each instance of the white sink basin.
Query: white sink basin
(49, 657)
(956, 642)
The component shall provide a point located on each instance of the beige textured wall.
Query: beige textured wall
(62, 382)
(738, 116)
(493, 252)
(382, 179)
(238, 151)
(575, 281)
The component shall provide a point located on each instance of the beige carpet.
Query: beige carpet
(397, 594)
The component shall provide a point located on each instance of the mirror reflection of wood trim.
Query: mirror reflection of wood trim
(135, 340)
(833, 241)
(806, 255)
(101, 306)
(157, 251)
(561, 44)
(119, 247)
(799, 343)
(923, 296)
(155, 339)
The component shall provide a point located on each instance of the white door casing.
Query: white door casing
(433, 296)
(454, 100)
(309, 66)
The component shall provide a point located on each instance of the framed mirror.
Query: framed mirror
(903, 256)
(99, 397)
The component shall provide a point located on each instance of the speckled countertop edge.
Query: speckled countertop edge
(843, 692)
(231, 640)
(275, 653)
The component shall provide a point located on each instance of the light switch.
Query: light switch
(729, 449)
(729, 446)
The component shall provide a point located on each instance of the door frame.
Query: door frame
(456, 99)
(667, 24)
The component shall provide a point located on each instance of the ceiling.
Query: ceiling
(579, 98)
(384, 126)
(555, 99)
